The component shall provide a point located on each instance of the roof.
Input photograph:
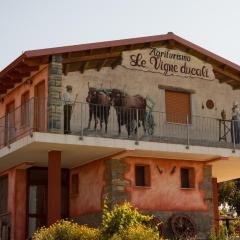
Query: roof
(98, 55)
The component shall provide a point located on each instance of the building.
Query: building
(168, 110)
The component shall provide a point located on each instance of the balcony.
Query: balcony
(159, 126)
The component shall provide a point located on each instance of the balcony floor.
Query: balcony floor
(75, 152)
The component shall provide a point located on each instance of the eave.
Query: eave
(108, 54)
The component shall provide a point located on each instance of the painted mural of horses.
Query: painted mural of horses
(127, 107)
(99, 107)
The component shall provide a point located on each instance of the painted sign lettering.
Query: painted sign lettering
(167, 62)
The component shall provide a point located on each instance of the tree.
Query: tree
(229, 192)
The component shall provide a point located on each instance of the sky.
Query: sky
(35, 24)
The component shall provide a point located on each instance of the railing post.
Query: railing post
(188, 140)
(233, 133)
(30, 116)
(159, 124)
(137, 137)
(220, 129)
(81, 121)
(96, 120)
(8, 130)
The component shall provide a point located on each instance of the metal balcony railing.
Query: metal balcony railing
(83, 119)
(17, 124)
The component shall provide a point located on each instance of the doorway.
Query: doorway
(10, 123)
(37, 198)
(39, 107)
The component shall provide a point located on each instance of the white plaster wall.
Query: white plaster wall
(146, 84)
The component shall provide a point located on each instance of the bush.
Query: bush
(121, 223)
(66, 230)
(122, 217)
(138, 232)
(222, 234)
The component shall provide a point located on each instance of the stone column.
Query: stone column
(215, 203)
(115, 188)
(54, 186)
(55, 109)
(205, 220)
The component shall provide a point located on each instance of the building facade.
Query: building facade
(152, 121)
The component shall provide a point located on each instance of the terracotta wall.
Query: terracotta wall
(165, 193)
(17, 201)
(11, 196)
(16, 119)
(20, 204)
(91, 183)
(15, 95)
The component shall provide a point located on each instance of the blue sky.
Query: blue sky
(32, 24)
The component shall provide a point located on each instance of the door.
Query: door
(10, 123)
(37, 199)
(39, 107)
(25, 109)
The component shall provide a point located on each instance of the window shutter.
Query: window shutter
(178, 107)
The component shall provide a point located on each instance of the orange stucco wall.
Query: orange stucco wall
(11, 197)
(91, 183)
(165, 193)
(17, 201)
(20, 204)
(15, 95)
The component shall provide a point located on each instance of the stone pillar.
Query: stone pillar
(205, 220)
(55, 109)
(215, 203)
(115, 188)
(54, 186)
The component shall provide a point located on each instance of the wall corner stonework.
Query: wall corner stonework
(206, 223)
(55, 109)
(115, 187)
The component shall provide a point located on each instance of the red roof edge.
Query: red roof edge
(97, 45)
(206, 52)
(13, 64)
(115, 43)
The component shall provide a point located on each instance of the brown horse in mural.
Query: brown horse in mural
(126, 108)
(99, 106)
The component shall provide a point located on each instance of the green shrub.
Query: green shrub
(121, 223)
(120, 218)
(222, 234)
(66, 230)
(137, 232)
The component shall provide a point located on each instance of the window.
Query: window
(25, 109)
(142, 175)
(187, 178)
(74, 183)
(178, 106)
